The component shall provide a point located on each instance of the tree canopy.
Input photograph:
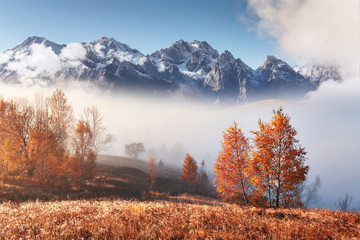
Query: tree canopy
(231, 167)
(134, 149)
(272, 170)
(189, 171)
(35, 141)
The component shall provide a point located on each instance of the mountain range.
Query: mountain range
(189, 69)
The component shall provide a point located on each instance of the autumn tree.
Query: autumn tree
(101, 139)
(10, 156)
(34, 140)
(232, 164)
(278, 166)
(61, 120)
(134, 149)
(85, 157)
(47, 151)
(189, 171)
(26, 125)
(152, 173)
(43, 164)
(10, 139)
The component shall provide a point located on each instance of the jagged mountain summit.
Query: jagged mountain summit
(189, 69)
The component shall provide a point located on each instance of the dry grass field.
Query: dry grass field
(116, 205)
(181, 217)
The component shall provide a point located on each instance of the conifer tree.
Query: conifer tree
(189, 171)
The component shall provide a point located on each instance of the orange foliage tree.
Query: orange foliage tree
(34, 140)
(189, 171)
(231, 168)
(278, 162)
(84, 165)
(152, 173)
(26, 125)
(10, 139)
(43, 161)
(10, 156)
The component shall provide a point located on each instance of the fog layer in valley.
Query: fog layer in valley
(326, 121)
(315, 31)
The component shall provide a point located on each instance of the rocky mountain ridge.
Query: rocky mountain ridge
(191, 69)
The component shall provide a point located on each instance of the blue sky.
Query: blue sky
(142, 24)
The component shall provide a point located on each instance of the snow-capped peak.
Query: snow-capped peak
(27, 43)
(105, 49)
(193, 67)
(274, 63)
(193, 59)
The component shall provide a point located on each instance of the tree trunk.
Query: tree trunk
(244, 193)
(278, 196)
(269, 195)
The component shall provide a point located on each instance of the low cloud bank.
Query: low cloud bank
(326, 121)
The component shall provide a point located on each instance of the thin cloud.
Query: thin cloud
(73, 51)
(36, 64)
(320, 31)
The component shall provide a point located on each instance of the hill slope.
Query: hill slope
(116, 177)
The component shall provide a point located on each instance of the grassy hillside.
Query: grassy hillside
(172, 219)
(167, 170)
(116, 177)
(116, 205)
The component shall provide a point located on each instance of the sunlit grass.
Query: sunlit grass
(173, 219)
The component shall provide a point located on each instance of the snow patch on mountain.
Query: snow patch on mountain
(108, 48)
(191, 69)
(193, 59)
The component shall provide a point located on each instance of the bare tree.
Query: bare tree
(203, 179)
(61, 120)
(310, 192)
(345, 204)
(101, 139)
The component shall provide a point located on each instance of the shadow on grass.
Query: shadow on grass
(111, 182)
